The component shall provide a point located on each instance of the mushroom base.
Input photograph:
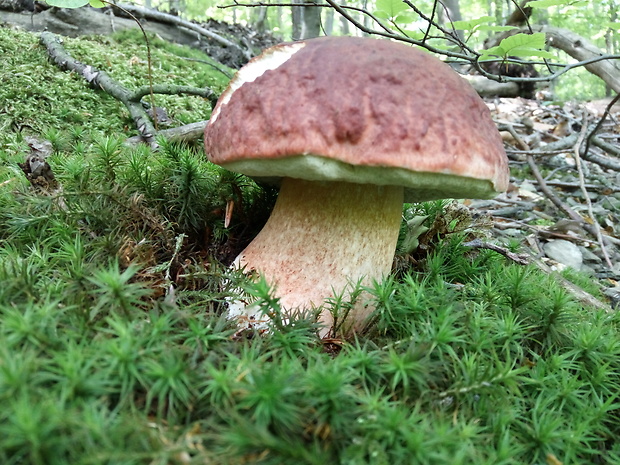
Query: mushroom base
(321, 240)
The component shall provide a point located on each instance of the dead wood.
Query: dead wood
(229, 44)
(581, 49)
(572, 214)
(567, 143)
(521, 259)
(488, 88)
(166, 18)
(581, 295)
(89, 21)
(563, 202)
(188, 132)
(36, 168)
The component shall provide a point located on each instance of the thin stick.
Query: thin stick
(582, 183)
(521, 259)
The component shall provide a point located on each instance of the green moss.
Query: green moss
(585, 281)
(36, 95)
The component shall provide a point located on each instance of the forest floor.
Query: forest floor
(563, 203)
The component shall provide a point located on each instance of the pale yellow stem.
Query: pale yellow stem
(324, 236)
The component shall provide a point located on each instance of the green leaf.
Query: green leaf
(530, 52)
(391, 8)
(96, 3)
(381, 14)
(406, 17)
(536, 40)
(546, 3)
(415, 228)
(520, 45)
(413, 34)
(485, 27)
(494, 51)
(470, 25)
(550, 3)
(67, 3)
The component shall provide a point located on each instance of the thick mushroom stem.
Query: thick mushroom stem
(322, 238)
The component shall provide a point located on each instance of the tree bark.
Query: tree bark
(311, 24)
(297, 19)
(142, 12)
(329, 22)
(260, 19)
(489, 88)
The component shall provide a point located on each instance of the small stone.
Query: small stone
(564, 252)
(589, 256)
(562, 161)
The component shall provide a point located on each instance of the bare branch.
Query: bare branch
(596, 227)
(521, 259)
(598, 126)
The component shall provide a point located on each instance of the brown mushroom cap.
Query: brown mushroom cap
(358, 110)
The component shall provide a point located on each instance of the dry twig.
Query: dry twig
(521, 259)
(596, 227)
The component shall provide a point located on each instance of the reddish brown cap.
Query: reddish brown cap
(341, 107)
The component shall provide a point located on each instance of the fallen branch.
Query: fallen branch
(521, 259)
(184, 133)
(583, 51)
(161, 17)
(488, 88)
(574, 185)
(131, 99)
(167, 89)
(567, 144)
(542, 185)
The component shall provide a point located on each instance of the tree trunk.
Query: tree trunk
(311, 24)
(260, 19)
(344, 23)
(329, 22)
(175, 7)
(278, 18)
(610, 37)
(296, 17)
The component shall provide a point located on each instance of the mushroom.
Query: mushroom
(350, 128)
